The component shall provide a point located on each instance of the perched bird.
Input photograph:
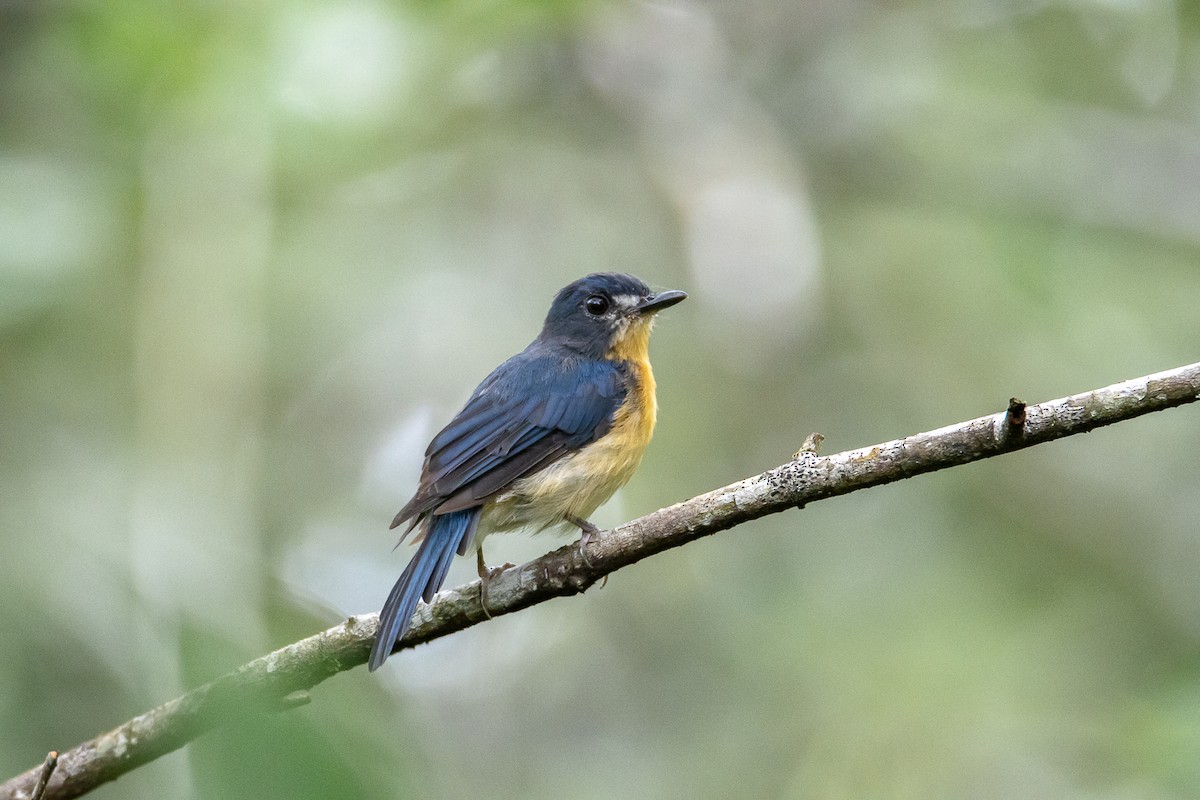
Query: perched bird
(544, 440)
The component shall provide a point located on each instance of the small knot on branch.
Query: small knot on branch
(1013, 427)
(812, 444)
(1014, 418)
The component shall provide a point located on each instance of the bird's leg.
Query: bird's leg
(485, 577)
(589, 530)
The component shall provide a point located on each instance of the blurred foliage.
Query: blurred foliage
(253, 255)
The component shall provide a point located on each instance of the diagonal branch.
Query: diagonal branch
(276, 681)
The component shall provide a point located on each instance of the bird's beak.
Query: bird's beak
(657, 302)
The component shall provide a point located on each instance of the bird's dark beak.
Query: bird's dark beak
(657, 302)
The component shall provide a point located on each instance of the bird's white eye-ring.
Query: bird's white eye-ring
(596, 305)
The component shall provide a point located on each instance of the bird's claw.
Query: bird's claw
(583, 543)
(584, 538)
(486, 575)
(589, 530)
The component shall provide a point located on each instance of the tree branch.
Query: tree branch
(276, 681)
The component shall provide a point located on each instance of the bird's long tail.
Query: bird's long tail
(447, 534)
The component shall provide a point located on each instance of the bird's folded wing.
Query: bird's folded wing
(530, 412)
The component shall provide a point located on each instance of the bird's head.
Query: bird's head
(606, 315)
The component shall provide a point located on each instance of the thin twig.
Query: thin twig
(266, 682)
(44, 778)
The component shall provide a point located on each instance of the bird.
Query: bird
(542, 442)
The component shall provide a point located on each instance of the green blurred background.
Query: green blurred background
(253, 255)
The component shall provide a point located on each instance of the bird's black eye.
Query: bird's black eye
(596, 305)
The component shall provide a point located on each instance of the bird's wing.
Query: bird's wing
(532, 410)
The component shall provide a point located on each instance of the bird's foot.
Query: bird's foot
(589, 530)
(486, 574)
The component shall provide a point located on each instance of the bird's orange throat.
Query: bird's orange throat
(632, 346)
(632, 343)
